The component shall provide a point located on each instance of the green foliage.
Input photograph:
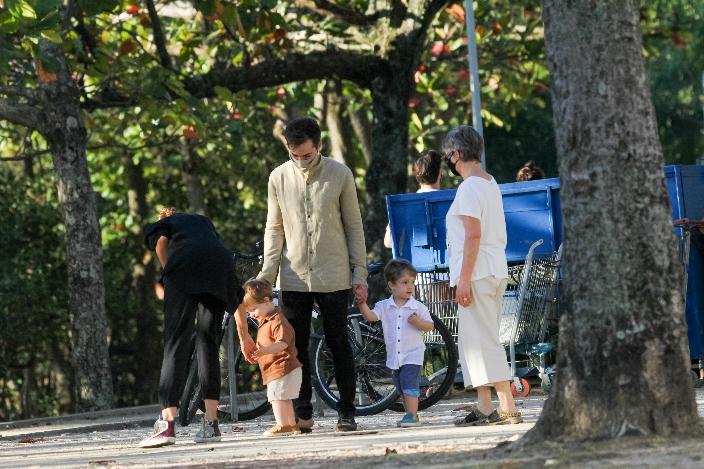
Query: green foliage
(230, 134)
(34, 323)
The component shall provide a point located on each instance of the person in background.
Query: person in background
(198, 269)
(427, 171)
(529, 172)
(403, 320)
(476, 238)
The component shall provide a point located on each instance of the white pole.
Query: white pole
(474, 85)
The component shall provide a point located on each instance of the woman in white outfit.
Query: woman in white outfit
(476, 238)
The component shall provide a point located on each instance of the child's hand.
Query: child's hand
(414, 319)
(256, 353)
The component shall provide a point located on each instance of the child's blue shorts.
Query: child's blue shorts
(407, 380)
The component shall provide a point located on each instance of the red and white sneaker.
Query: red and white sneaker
(164, 434)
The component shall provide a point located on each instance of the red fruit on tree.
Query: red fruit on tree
(422, 68)
(413, 102)
(236, 116)
(678, 41)
(497, 28)
(463, 75)
(133, 10)
(189, 132)
(457, 12)
(437, 49)
(281, 91)
(451, 91)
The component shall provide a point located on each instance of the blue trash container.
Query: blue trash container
(533, 212)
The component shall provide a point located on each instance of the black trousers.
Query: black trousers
(180, 311)
(297, 307)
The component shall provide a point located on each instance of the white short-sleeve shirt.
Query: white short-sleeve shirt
(478, 198)
(404, 341)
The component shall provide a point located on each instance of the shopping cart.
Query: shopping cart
(530, 306)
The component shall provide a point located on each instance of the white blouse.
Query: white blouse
(478, 198)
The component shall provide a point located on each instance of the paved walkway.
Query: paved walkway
(110, 440)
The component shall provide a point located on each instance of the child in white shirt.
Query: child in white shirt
(403, 319)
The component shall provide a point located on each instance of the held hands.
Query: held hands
(361, 293)
(249, 348)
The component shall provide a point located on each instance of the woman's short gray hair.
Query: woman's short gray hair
(466, 140)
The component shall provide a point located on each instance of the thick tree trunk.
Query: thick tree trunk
(191, 177)
(622, 359)
(147, 368)
(65, 133)
(387, 170)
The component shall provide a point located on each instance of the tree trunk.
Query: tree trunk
(191, 176)
(65, 132)
(147, 368)
(360, 124)
(387, 170)
(339, 146)
(622, 360)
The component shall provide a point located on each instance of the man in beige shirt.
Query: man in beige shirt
(314, 241)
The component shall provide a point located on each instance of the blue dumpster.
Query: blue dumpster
(685, 186)
(533, 212)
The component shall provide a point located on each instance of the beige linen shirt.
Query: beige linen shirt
(314, 237)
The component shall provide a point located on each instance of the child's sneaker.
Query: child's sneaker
(282, 430)
(409, 420)
(164, 434)
(209, 432)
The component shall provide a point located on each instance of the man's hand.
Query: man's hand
(361, 293)
(463, 294)
(249, 349)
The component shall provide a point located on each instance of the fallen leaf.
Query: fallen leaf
(29, 439)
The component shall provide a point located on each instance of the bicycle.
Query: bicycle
(244, 386)
(375, 389)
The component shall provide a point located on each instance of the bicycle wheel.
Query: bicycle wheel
(439, 366)
(251, 393)
(375, 389)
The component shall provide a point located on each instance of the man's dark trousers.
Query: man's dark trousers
(297, 307)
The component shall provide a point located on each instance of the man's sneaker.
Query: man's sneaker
(164, 434)
(507, 418)
(282, 430)
(409, 420)
(209, 432)
(475, 418)
(305, 425)
(346, 425)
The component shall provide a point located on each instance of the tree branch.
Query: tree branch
(126, 147)
(331, 9)
(20, 114)
(295, 67)
(159, 37)
(28, 94)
